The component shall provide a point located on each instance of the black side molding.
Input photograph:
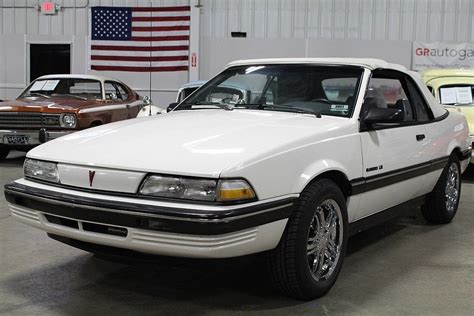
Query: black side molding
(361, 185)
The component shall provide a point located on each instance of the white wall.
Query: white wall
(275, 28)
(216, 53)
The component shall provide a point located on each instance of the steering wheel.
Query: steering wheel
(321, 100)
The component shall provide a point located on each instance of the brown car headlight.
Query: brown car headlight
(210, 190)
(41, 170)
(68, 120)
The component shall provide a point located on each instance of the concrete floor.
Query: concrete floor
(403, 267)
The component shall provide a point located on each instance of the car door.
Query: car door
(394, 156)
(126, 95)
(117, 107)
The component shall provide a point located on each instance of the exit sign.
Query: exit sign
(49, 8)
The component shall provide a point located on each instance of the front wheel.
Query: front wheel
(309, 257)
(443, 201)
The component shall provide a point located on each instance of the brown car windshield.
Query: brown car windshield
(83, 89)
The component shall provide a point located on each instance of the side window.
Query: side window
(431, 89)
(123, 92)
(110, 91)
(390, 93)
(421, 109)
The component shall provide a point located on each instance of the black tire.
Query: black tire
(289, 263)
(4, 151)
(438, 209)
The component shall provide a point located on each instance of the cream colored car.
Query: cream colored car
(454, 88)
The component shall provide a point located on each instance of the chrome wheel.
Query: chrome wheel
(325, 240)
(452, 187)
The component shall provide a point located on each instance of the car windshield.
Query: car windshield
(82, 89)
(460, 94)
(327, 90)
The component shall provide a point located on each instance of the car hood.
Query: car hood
(197, 142)
(53, 105)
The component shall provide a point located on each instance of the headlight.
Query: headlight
(68, 120)
(41, 170)
(197, 189)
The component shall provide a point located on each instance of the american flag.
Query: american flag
(140, 39)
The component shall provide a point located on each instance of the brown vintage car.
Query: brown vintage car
(56, 105)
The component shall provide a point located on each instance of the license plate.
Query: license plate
(16, 139)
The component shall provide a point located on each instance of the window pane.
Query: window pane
(123, 92)
(64, 88)
(327, 90)
(421, 108)
(110, 91)
(390, 94)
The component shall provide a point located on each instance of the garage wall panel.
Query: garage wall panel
(428, 20)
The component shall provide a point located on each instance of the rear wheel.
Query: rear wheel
(308, 259)
(443, 201)
(4, 150)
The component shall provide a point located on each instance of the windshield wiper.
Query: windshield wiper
(282, 108)
(40, 94)
(221, 105)
(71, 95)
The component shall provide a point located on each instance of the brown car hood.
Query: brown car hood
(53, 105)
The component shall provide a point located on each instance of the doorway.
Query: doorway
(48, 59)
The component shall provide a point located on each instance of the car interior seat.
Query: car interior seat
(404, 106)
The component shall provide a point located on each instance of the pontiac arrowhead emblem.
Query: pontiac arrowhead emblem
(91, 177)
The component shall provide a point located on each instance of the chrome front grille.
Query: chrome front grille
(28, 119)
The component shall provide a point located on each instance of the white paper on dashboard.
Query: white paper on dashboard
(38, 85)
(448, 95)
(464, 95)
(50, 85)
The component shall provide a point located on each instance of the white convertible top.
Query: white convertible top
(368, 63)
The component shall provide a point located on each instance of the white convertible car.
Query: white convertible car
(321, 149)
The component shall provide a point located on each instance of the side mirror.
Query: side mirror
(375, 112)
(171, 106)
(146, 100)
(383, 116)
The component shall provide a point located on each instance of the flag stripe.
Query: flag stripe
(159, 38)
(141, 63)
(155, 24)
(168, 13)
(136, 53)
(160, 28)
(139, 69)
(161, 9)
(139, 48)
(160, 18)
(140, 58)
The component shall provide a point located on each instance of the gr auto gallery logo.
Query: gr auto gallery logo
(460, 54)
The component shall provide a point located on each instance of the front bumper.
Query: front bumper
(151, 226)
(35, 137)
